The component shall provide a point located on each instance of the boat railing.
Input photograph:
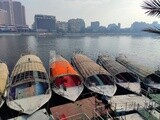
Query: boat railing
(148, 91)
(79, 116)
(146, 113)
(101, 113)
(129, 106)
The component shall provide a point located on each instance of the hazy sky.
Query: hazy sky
(105, 11)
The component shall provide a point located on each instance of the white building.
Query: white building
(3, 17)
(76, 25)
(8, 6)
(62, 26)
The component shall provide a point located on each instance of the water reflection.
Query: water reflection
(32, 44)
(139, 47)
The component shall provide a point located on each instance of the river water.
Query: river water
(143, 49)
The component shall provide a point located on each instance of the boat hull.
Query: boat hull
(106, 90)
(29, 105)
(132, 87)
(71, 93)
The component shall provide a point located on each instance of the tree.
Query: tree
(153, 9)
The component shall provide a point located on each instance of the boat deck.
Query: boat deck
(82, 108)
(131, 102)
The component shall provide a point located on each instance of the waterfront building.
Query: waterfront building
(23, 15)
(45, 23)
(95, 26)
(119, 25)
(76, 25)
(3, 17)
(62, 27)
(1, 5)
(15, 12)
(17, 8)
(8, 6)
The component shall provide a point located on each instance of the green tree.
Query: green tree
(153, 9)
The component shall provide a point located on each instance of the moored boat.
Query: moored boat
(3, 81)
(65, 80)
(29, 85)
(124, 77)
(95, 77)
(150, 78)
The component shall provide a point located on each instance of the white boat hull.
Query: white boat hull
(152, 86)
(133, 87)
(2, 102)
(107, 90)
(29, 105)
(71, 93)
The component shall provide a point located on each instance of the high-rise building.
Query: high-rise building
(8, 6)
(119, 25)
(3, 17)
(76, 25)
(45, 23)
(17, 9)
(23, 16)
(95, 26)
(15, 12)
(62, 26)
(1, 5)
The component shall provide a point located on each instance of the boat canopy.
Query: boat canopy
(28, 63)
(61, 67)
(116, 69)
(3, 76)
(111, 65)
(88, 67)
(140, 70)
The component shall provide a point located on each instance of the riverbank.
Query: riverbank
(70, 34)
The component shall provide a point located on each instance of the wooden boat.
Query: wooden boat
(3, 81)
(124, 77)
(65, 80)
(150, 78)
(29, 85)
(95, 77)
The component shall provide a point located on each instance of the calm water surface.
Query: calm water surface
(143, 49)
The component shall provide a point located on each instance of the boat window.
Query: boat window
(41, 75)
(97, 80)
(29, 75)
(126, 77)
(107, 80)
(67, 81)
(28, 90)
(152, 79)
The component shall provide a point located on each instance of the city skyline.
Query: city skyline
(104, 11)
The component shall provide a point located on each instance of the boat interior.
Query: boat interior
(26, 84)
(67, 81)
(126, 77)
(99, 79)
(152, 79)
